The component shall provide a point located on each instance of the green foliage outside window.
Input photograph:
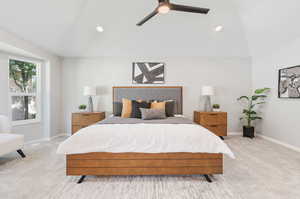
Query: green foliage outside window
(23, 76)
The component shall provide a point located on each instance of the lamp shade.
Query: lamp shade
(207, 91)
(89, 91)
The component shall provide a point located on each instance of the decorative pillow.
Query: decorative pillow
(158, 105)
(127, 108)
(170, 108)
(152, 114)
(136, 105)
(118, 106)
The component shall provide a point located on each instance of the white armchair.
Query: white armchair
(9, 142)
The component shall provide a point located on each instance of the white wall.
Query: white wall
(51, 69)
(274, 43)
(281, 116)
(230, 76)
(32, 131)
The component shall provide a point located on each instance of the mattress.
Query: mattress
(116, 135)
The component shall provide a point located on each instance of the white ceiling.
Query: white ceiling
(269, 24)
(67, 28)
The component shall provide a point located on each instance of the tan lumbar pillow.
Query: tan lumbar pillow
(127, 108)
(158, 105)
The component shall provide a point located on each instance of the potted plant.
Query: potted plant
(216, 108)
(82, 107)
(249, 112)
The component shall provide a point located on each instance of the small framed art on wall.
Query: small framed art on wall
(289, 83)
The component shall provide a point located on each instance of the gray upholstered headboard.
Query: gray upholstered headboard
(150, 93)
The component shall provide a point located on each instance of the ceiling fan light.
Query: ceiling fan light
(164, 9)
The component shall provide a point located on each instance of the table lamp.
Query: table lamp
(207, 92)
(90, 91)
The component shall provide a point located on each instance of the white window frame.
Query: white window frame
(37, 94)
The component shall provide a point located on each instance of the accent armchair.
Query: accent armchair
(9, 142)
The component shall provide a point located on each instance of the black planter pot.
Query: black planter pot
(248, 132)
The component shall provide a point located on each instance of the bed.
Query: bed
(117, 146)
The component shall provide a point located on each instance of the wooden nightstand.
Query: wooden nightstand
(84, 119)
(216, 122)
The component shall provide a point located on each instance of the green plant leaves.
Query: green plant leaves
(262, 90)
(216, 106)
(243, 97)
(255, 118)
(253, 105)
(249, 112)
(82, 106)
(256, 97)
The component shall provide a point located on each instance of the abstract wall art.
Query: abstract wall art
(148, 73)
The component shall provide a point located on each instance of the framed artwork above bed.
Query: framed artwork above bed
(289, 83)
(148, 73)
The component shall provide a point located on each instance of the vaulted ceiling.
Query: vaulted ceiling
(67, 27)
(269, 24)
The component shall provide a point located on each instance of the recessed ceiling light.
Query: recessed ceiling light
(219, 28)
(99, 28)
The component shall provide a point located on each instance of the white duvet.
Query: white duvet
(144, 138)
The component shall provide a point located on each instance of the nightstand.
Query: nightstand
(216, 122)
(84, 119)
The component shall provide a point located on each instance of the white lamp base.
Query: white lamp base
(207, 105)
(90, 105)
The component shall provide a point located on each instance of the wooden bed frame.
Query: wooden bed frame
(132, 164)
(120, 164)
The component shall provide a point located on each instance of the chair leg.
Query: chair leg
(81, 179)
(208, 178)
(21, 153)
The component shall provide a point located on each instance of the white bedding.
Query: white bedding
(144, 138)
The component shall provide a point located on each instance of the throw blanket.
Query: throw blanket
(169, 120)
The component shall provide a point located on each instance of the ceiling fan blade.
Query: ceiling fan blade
(183, 8)
(155, 12)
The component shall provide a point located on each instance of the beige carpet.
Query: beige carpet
(262, 170)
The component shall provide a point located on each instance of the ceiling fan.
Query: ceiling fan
(165, 6)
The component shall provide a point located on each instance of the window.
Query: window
(24, 84)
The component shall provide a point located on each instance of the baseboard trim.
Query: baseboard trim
(294, 148)
(57, 136)
(235, 133)
(35, 141)
(45, 139)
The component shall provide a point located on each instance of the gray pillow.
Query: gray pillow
(118, 106)
(153, 114)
